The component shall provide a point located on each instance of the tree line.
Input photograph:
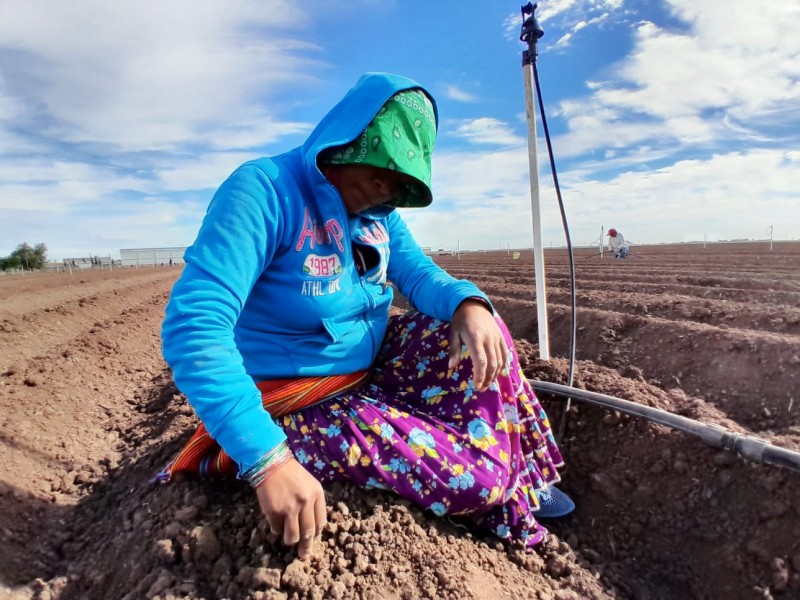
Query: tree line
(25, 256)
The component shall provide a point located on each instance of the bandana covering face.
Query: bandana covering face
(400, 138)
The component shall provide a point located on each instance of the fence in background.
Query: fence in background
(152, 257)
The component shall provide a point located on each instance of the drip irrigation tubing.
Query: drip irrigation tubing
(748, 447)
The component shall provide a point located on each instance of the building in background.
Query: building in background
(88, 262)
(152, 257)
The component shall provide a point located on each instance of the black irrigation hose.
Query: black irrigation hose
(573, 286)
(715, 436)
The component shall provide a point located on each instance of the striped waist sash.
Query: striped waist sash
(203, 456)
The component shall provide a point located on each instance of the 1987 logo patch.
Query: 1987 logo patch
(322, 266)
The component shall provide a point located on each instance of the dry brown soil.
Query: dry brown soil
(88, 413)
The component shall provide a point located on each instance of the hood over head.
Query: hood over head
(386, 121)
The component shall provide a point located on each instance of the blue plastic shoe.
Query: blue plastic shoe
(553, 503)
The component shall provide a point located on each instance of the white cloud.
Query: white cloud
(479, 199)
(735, 195)
(553, 8)
(565, 39)
(115, 117)
(704, 85)
(455, 93)
(147, 75)
(567, 16)
(123, 224)
(485, 200)
(486, 130)
(102, 102)
(60, 186)
(202, 172)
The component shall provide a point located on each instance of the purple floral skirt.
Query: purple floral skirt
(420, 430)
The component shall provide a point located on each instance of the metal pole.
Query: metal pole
(531, 34)
(602, 240)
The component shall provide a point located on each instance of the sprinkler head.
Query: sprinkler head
(531, 30)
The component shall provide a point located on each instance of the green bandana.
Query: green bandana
(400, 138)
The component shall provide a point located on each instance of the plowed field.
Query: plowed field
(88, 414)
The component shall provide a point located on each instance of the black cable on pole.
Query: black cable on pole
(566, 229)
(715, 436)
(531, 32)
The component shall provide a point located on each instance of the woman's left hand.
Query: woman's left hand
(473, 325)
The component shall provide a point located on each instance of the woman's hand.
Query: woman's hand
(473, 324)
(293, 502)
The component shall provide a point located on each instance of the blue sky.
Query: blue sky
(671, 119)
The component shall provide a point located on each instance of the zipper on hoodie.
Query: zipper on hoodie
(371, 304)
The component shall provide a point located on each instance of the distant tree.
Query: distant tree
(25, 256)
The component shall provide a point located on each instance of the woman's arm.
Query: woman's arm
(235, 244)
(433, 291)
(428, 287)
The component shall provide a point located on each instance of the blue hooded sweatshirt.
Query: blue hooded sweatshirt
(270, 288)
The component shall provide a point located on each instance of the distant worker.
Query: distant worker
(617, 244)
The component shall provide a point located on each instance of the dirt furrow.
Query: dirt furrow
(663, 515)
(711, 285)
(589, 271)
(86, 426)
(22, 294)
(752, 377)
(621, 289)
(36, 327)
(721, 313)
(88, 413)
(63, 415)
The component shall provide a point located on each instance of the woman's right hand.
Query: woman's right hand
(293, 502)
